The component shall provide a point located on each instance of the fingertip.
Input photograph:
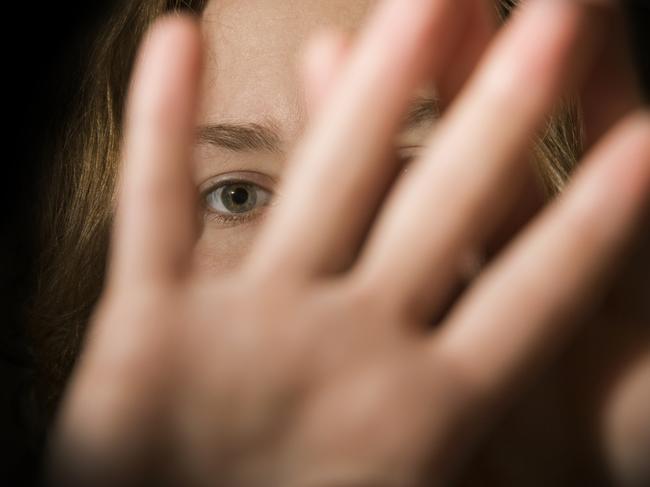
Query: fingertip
(322, 60)
(171, 31)
(171, 50)
(325, 43)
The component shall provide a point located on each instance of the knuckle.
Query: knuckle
(462, 379)
(372, 297)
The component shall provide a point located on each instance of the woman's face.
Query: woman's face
(253, 111)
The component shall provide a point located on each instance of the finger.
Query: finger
(612, 88)
(344, 164)
(155, 224)
(108, 424)
(323, 62)
(468, 177)
(625, 424)
(525, 306)
(480, 27)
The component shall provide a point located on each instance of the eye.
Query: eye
(235, 200)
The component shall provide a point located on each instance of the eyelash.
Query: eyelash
(232, 218)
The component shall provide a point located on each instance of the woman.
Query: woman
(302, 355)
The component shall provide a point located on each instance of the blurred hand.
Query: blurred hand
(314, 364)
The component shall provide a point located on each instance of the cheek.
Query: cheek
(220, 250)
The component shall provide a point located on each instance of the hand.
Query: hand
(313, 364)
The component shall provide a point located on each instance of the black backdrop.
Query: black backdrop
(44, 45)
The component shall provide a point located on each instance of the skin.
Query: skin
(331, 305)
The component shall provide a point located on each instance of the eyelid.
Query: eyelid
(262, 180)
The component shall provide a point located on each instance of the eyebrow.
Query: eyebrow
(423, 109)
(265, 136)
(242, 136)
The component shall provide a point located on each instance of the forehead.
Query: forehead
(253, 53)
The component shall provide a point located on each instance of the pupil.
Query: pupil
(239, 195)
(239, 198)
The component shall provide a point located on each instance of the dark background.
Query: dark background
(44, 46)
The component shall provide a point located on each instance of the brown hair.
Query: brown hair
(76, 215)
